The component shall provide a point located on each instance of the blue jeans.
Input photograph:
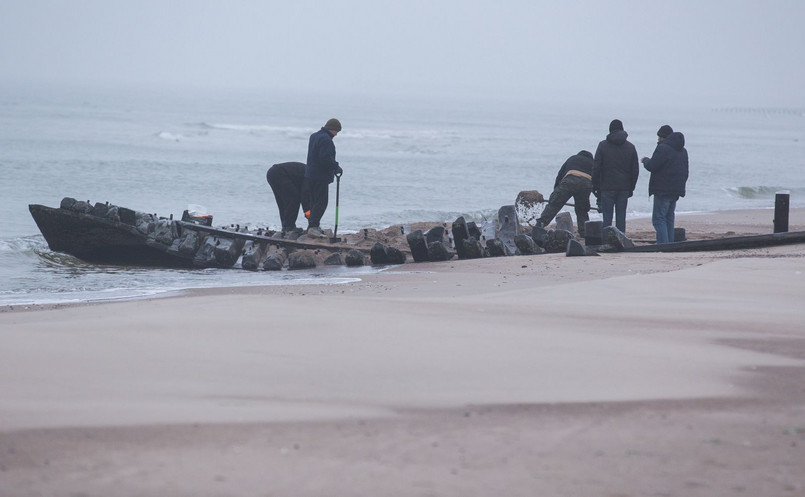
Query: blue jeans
(615, 200)
(662, 218)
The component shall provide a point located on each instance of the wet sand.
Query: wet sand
(617, 375)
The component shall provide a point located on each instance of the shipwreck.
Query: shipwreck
(104, 233)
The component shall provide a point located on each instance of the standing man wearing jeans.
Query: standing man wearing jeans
(669, 174)
(320, 171)
(615, 172)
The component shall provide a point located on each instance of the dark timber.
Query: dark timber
(106, 241)
(729, 243)
(781, 201)
(99, 240)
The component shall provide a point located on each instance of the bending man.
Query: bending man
(287, 181)
(574, 180)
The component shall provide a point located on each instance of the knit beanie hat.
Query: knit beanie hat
(586, 153)
(333, 125)
(615, 125)
(664, 131)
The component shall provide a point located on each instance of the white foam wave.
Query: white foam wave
(404, 135)
(165, 135)
(290, 131)
(761, 192)
(25, 244)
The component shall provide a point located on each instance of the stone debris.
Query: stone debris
(614, 237)
(254, 253)
(556, 241)
(496, 248)
(593, 233)
(275, 261)
(564, 221)
(508, 227)
(354, 258)
(381, 254)
(472, 248)
(575, 248)
(301, 259)
(460, 233)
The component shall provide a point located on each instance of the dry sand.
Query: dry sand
(619, 375)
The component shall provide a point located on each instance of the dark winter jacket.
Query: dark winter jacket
(582, 162)
(293, 171)
(668, 166)
(616, 166)
(321, 163)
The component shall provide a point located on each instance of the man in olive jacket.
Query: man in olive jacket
(573, 180)
(320, 171)
(669, 174)
(615, 172)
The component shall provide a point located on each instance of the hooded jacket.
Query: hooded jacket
(616, 166)
(321, 163)
(668, 166)
(582, 162)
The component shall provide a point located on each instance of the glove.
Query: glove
(338, 171)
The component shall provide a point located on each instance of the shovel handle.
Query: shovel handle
(574, 205)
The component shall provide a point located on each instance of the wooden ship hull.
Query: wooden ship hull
(97, 240)
(108, 234)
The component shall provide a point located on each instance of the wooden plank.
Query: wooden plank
(280, 242)
(728, 243)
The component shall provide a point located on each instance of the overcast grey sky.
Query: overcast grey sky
(724, 53)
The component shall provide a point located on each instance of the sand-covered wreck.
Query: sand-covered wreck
(108, 234)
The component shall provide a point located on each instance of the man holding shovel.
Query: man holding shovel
(320, 171)
(574, 180)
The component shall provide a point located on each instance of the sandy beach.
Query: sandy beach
(643, 374)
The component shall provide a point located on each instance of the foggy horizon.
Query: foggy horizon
(684, 53)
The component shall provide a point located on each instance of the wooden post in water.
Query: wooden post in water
(781, 212)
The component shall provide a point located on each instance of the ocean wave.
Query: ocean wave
(766, 111)
(761, 192)
(256, 129)
(404, 135)
(23, 245)
(177, 137)
(405, 217)
(166, 135)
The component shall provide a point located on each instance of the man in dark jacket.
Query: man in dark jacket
(287, 181)
(615, 172)
(669, 174)
(320, 171)
(574, 180)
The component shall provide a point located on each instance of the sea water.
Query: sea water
(405, 159)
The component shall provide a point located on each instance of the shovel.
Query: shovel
(591, 207)
(334, 238)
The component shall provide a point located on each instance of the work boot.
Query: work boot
(316, 232)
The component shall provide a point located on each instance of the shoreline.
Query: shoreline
(623, 374)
